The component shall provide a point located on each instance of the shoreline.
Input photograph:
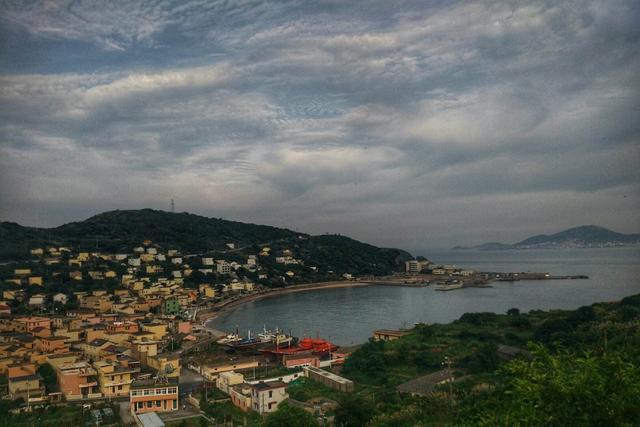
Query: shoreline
(217, 311)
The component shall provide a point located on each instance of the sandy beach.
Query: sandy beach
(224, 307)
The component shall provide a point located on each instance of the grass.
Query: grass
(226, 411)
(187, 422)
(304, 389)
(55, 416)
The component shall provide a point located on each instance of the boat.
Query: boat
(229, 338)
(249, 342)
(444, 286)
(278, 337)
(317, 346)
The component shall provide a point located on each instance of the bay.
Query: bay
(349, 315)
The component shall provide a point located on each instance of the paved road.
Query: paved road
(189, 381)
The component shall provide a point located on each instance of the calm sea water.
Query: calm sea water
(349, 315)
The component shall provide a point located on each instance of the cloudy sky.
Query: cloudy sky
(414, 124)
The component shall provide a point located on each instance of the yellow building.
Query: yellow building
(35, 280)
(115, 379)
(165, 364)
(159, 330)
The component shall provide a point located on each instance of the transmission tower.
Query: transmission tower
(173, 206)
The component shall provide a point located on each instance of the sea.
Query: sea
(347, 316)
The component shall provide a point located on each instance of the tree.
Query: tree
(48, 375)
(513, 312)
(290, 416)
(564, 389)
(353, 411)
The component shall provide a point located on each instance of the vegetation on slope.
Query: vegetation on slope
(584, 369)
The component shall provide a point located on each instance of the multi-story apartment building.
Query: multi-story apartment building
(115, 379)
(154, 395)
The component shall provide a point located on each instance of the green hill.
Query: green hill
(120, 231)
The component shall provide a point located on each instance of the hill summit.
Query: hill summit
(121, 230)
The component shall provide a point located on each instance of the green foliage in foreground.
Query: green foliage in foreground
(584, 370)
(290, 416)
(561, 390)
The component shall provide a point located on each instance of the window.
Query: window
(147, 392)
(270, 405)
(149, 404)
(270, 393)
(158, 403)
(119, 387)
(175, 403)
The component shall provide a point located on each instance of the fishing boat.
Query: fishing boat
(229, 338)
(448, 286)
(245, 343)
(317, 346)
(279, 338)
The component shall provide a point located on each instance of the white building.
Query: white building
(61, 298)
(207, 261)
(265, 397)
(223, 267)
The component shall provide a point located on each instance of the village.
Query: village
(135, 335)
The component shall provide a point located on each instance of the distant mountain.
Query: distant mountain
(121, 230)
(578, 237)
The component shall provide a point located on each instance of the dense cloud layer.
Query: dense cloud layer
(398, 123)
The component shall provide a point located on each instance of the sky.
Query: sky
(413, 124)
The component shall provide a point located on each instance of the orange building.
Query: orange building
(78, 380)
(154, 395)
(34, 324)
(122, 327)
(55, 344)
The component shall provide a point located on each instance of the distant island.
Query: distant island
(586, 236)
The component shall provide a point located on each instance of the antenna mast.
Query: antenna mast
(173, 206)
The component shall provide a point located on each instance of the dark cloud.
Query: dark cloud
(398, 123)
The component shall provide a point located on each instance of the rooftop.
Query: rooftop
(155, 382)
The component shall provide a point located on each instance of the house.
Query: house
(265, 397)
(211, 372)
(241, 396)
(21, 271)
(115, 379)
(37, 299)
(329, 379)
(387, 334)
(206, 290)
(52, 344)
(223, 267)
(78, 380)
(60, 298)
(4, 308)
(154, 395)
(159, 330)
(228, 379)
(26, 387)
(415, 266)
(165, 364)
(37, 251)
(34, 281)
